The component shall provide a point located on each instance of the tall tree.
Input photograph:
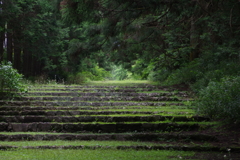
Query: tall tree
(2, 31)
(33, 29)
(169, 33)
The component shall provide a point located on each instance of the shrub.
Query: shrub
(78, 78)
(10, 79)
(99, 74)
(96, 74)
(187, 74)
(159, 75)
(119, 73)
(216, 73)
(221, 100)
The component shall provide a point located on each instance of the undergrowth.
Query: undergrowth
(10, 79)
(221, 100)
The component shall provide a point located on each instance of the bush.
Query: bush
(221, 100)
(159, 75)
(78, 78)
(10, 79)
(216, 73)
(96, 74)
(119, 73)
(187, 74)
(99, 74)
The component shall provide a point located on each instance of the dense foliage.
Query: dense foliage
(159, 40)
(10, 79)
(195, 42)
(221, 100)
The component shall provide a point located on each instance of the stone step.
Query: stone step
(176, 147)
(100, 128)
(179, 137)
(85, 103)
(93, 98)
(74, 108)
(98, 89)
(102, 118)
(95, 86)
(80, 112)
(179, 147)
(79, 94)
(61, 113)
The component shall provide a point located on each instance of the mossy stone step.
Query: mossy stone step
(69, 112)
(78, 94)
(179, 147)
(92, 98)
(87, 112)
(98, 89)
(102, 118)
(178, 137)
(85, 103)
(98, 128)
(92, 86)
(91, 108)
(84, 87)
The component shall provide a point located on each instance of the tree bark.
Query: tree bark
(27, 62)
(9, 43)
(2, 39)
(193, 40)
(17, 48)
(2, 32)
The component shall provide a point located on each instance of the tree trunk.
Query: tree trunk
(9, 43)
(2, 33)
(17, 55)
(27, 62)
(2, 39)
(17, 48)
(193, 40)
(36, 66)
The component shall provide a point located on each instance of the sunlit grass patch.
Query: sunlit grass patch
(76, 143)
(86, 154)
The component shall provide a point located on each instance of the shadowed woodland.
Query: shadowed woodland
(119, 79)
(155, 40)
(189, 42)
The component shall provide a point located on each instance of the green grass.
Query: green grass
(112, 144)
(86, 154)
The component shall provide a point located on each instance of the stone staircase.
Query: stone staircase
(138, 112)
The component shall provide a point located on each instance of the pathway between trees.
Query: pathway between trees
(136, 116)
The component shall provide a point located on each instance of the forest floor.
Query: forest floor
(120, 119)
